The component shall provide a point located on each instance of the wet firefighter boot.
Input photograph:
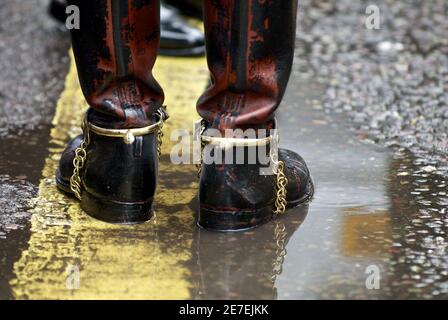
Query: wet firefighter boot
(112, 168)
(250, 48)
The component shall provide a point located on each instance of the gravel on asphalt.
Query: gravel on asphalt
(391, 82)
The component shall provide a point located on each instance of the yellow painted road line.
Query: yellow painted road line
(114, 262)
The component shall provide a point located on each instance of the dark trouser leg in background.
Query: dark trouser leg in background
(250, 48)
(177, 36)
(115, 50)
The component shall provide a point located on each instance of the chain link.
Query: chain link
(280, 235)
(160, 132)
(199, 165)
(281, 180)
(281, 183)
(78, 164)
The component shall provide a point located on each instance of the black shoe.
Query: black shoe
(178, 37)
(192, 8)
(56, 9)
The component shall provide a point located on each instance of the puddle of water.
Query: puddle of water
(370, 209)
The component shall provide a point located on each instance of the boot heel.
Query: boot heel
(119, 180)
(115, 211)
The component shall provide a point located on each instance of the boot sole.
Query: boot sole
(233, 221)
(110, 211)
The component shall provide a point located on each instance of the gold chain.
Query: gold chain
(280, 235)
(199, 165)
(281, 183)
(78, 164)
(160, 134)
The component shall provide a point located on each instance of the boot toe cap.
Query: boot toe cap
(300, 185)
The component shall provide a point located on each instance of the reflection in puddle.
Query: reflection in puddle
(242, 265)
(419, 207)
(365, 233)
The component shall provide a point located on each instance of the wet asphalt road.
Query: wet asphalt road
(34, 63)
(373, 206)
